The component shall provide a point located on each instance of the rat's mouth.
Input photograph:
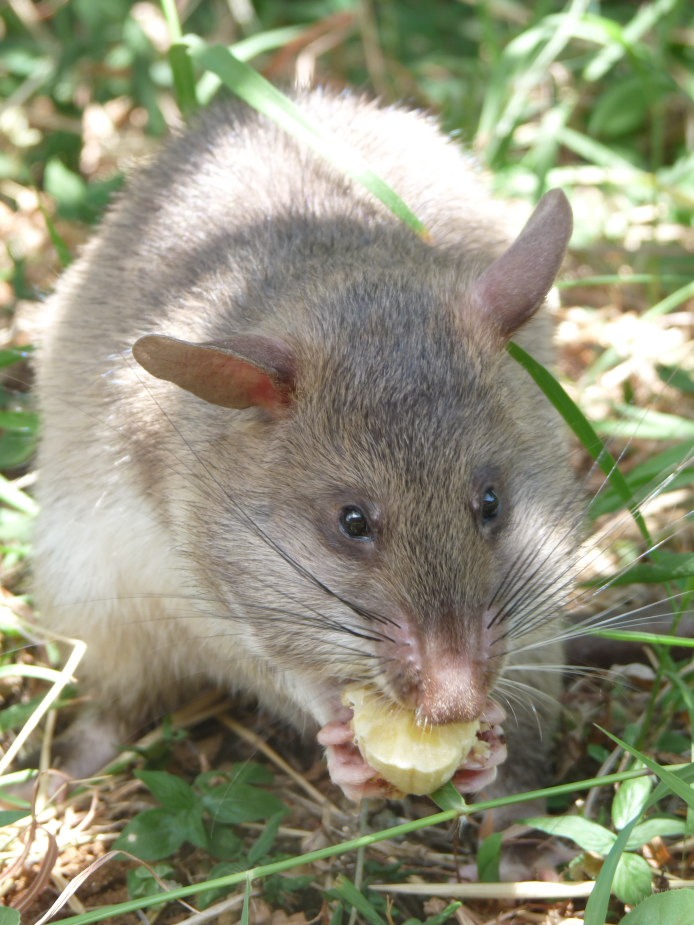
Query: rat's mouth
(405, 763)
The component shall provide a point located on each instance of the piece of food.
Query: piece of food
(413, 758)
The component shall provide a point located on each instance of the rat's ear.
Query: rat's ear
(249, 370)
(511, 290)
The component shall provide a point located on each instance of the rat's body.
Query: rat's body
(368, 488)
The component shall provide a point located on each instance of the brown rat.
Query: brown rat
(329, 469)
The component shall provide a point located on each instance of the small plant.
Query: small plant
(205, 815)
(633, 877)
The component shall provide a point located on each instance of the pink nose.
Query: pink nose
(450, 691)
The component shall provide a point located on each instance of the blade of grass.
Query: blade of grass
(173, 21)
(255, 45)
(647, 639)
(504, 123)
(670, 302)
(599, 899)
(596, 908)
(614, 279)
(106, 912)
(346, 890)
(644, 20)
(179, 60)
(583, 429)
(183, 78)
(600, 155)
(673, 782)
(653, 425)
(245, 50)
(57, 240)
(259, 93)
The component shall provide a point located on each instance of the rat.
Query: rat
(285, 450)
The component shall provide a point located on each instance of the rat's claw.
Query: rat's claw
(478, 772)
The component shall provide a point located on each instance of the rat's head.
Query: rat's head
(411, 508)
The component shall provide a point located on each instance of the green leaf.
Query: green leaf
(278, 888)
(19, 420)
(671, 566)
(11, 355)
(671, 908)
(586, 834)
(444, 915)
(207, 897)
(266, 840)
(489, 858)
(9, 917)
(153, 835)
(632, 879)
(248, 772)
(624, 106)
(676, 377)
(143, 882)
(652, 828)
(192, 822)
(172, 792)
(223, 843)
(653, 476)
(67, 188)
(16, 448)
(630, 800)
(10, 816)
(240, 803)
(672, 301)
(14, 716)
(171, 16)
(448, 797)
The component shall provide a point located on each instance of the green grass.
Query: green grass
(595, 99)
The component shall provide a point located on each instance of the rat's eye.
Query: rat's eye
(490, 505)
(354, 522)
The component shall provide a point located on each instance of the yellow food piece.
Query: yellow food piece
(413, 758)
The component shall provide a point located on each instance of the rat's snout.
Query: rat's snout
(452, 690)
(442, 673)
(442, 686)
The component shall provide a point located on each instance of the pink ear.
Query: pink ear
(249, 370)
(511, 290)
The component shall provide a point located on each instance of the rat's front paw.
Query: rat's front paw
(410, 759)
(346, 766)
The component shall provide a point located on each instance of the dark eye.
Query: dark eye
(490, 505)
(354, 522)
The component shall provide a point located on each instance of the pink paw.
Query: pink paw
(358, 780)
(347, 768)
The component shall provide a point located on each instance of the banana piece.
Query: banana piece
(413, 758)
